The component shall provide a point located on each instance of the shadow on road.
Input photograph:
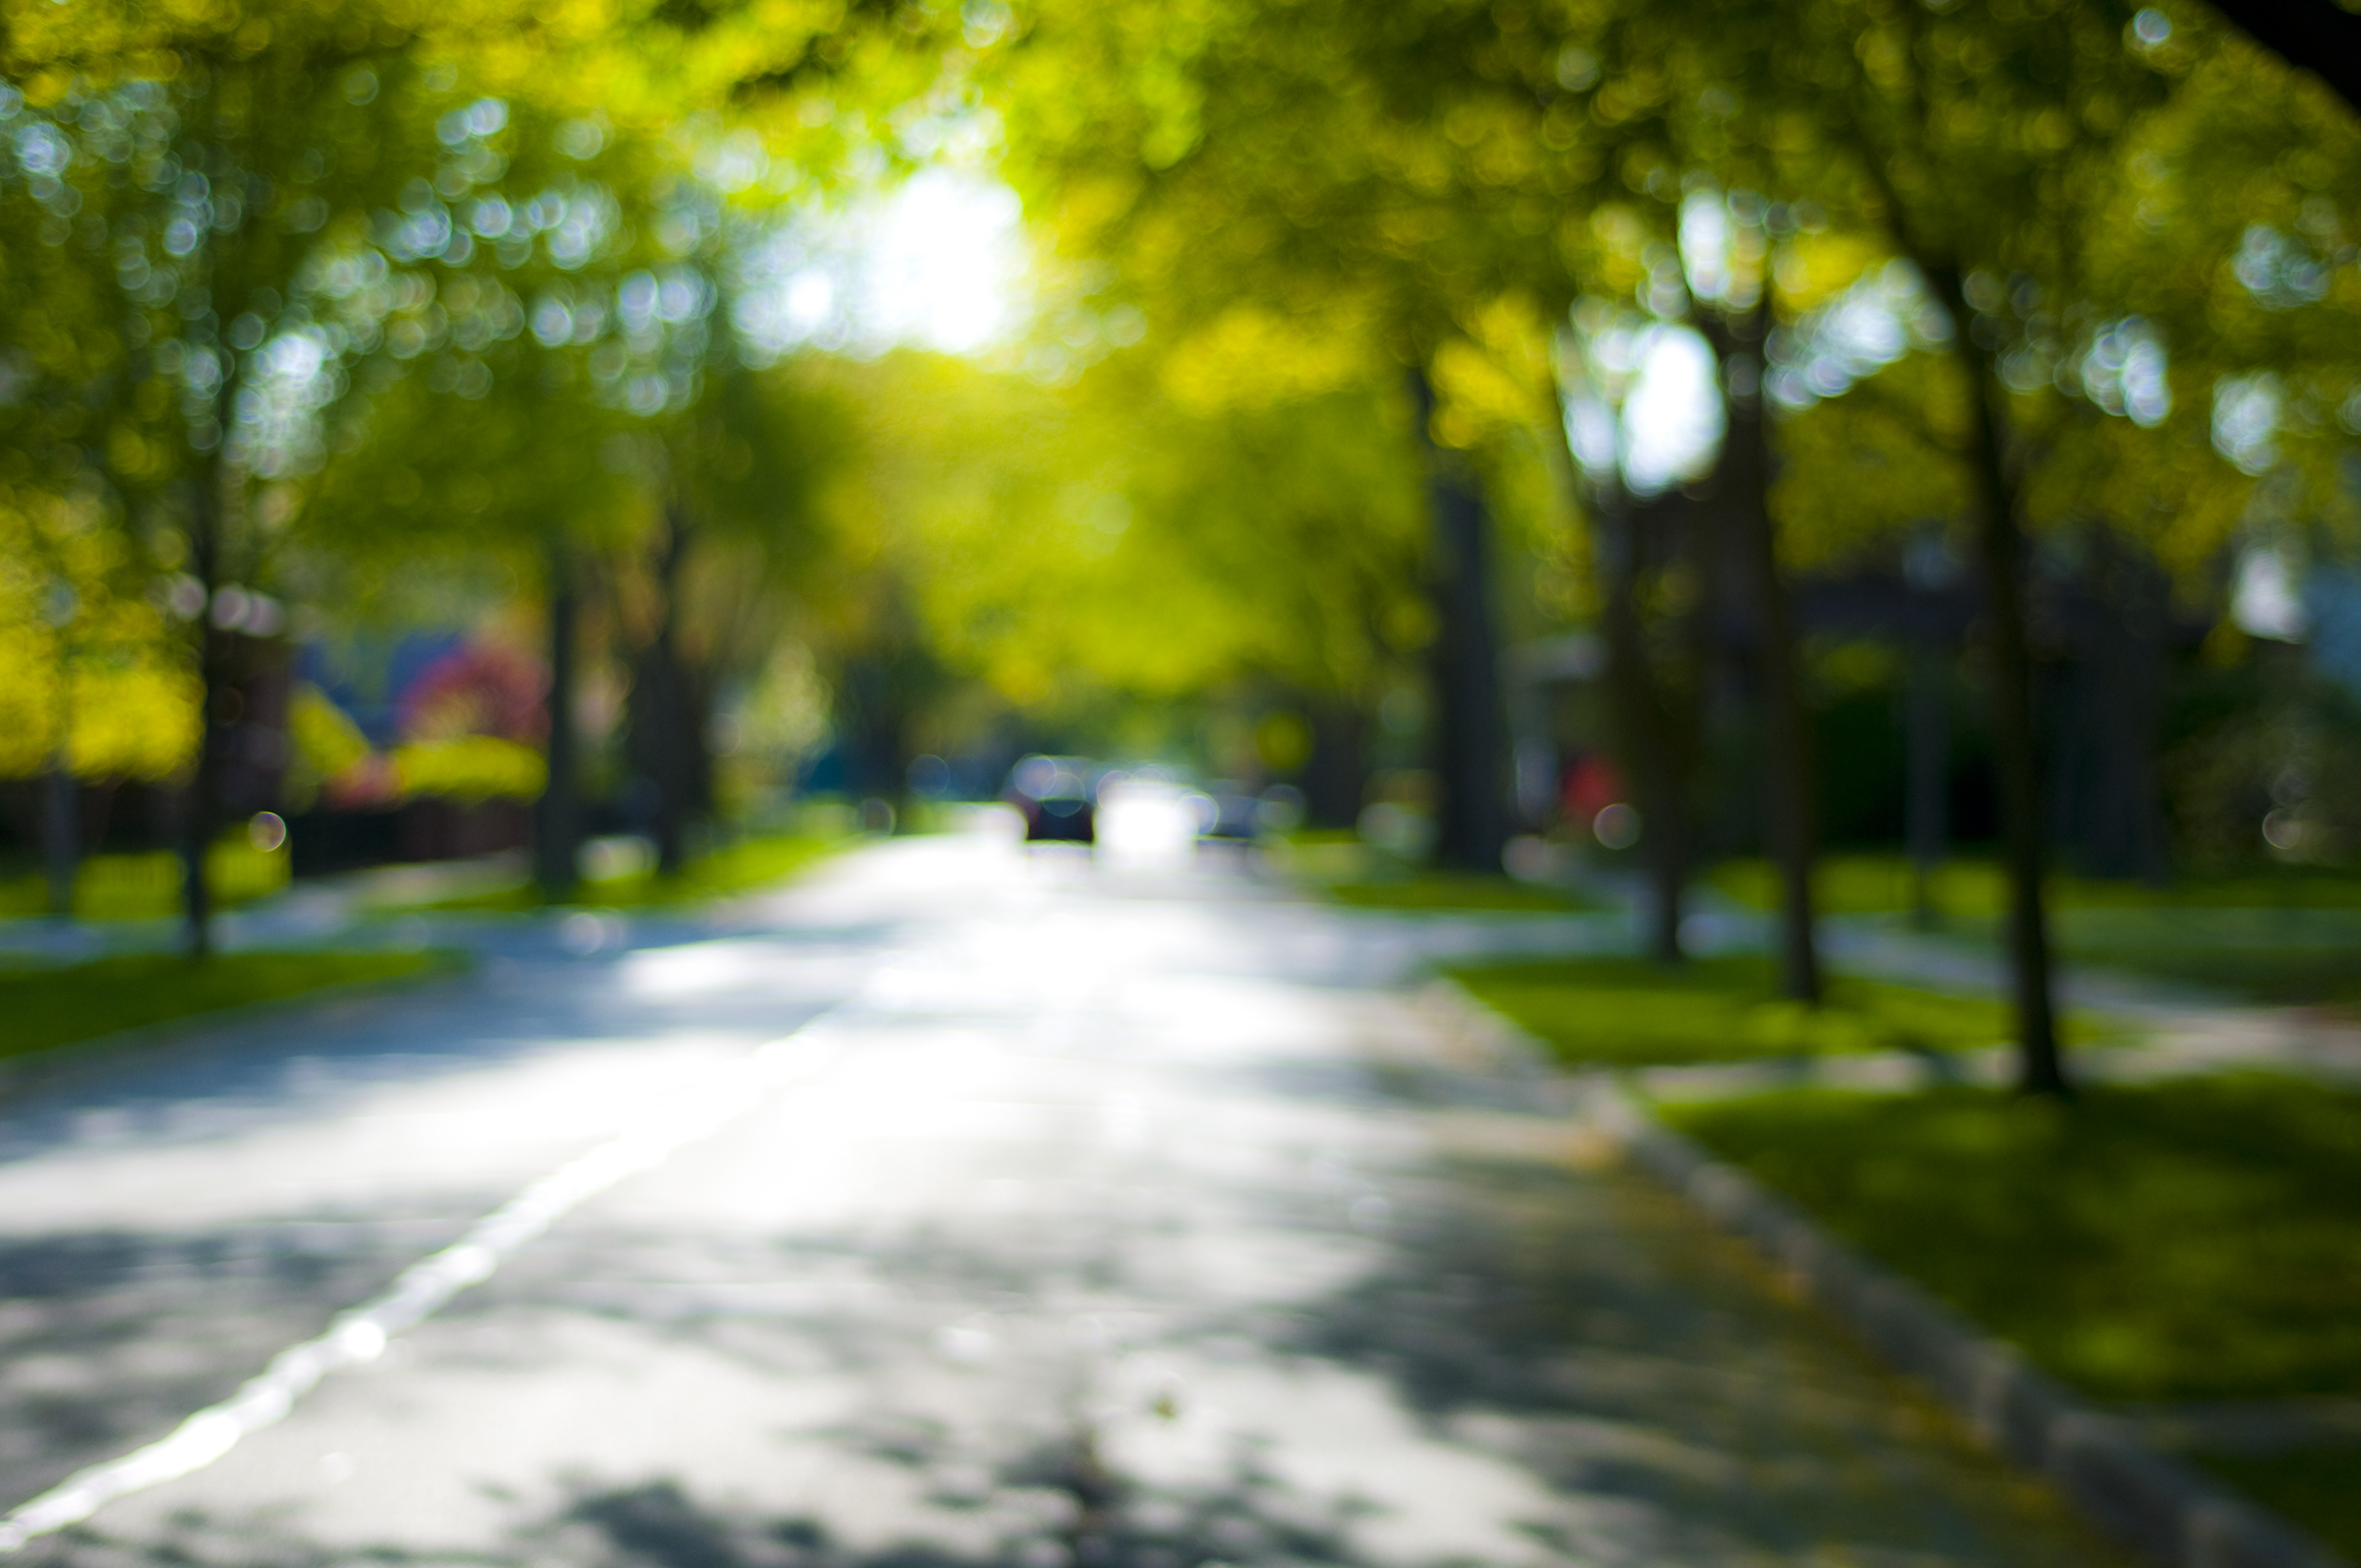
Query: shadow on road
(1573, 1326)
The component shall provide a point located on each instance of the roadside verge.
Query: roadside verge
(2167, 1509)
(24, 1069)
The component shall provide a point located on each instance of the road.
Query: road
(959, 1207)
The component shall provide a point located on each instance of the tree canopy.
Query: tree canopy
(318, 307)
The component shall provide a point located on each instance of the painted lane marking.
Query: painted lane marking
(362, 1334)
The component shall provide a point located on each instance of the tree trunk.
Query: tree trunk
(1650, 752)
(698, 697)
(556, 815)
(1927, 766)
(1787, 787)
(1471, 729)
(1650, 748)
(61, 830)
(1334, 781)
(669, 719)
(2121, 831)
(2015, 748)
(870, 726)
(201, 810)
(61, 825)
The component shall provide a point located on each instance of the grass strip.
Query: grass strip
(1457, 890)
(2316, 1488)
(2191, 1239)
(2292, 975)
(1969, 889)
(2286, 939)
(740, 867)
(1632, 1012)
(54, 1007)
(2286, 955)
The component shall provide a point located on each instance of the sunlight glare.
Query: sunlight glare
(943, 263)
(938, 261)
(1672, 416)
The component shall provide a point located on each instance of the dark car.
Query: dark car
(1233, 817)
(1058, 796)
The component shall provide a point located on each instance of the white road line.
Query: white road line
(361, 1335)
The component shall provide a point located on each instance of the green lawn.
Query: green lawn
(2301, 971)
(1864, 884)
(1446, 890)
(1630, 1013)
(54, 1007)
(148, 885)
(2285, 954)
(2314, 1486)
(741, 868)
(2192, 1239)
(2290, 938)
(1972, 889)
(1344, 869)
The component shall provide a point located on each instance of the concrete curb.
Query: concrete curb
(2171, 1513)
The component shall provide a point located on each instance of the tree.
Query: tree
(740, 468)
(1255, 169)
(273, 201)
(1136, 537)
(1990, 151)
(205, 184)
(92, 690)
(2310, 35)
(1586, 110)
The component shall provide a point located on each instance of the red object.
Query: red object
(1592, 785)
(480, 688)
(371, 781)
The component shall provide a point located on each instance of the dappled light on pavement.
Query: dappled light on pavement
(1112, 1213)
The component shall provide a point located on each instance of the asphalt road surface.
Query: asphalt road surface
(960, 1207)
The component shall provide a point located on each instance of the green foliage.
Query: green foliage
(44, 1007)
(83, 652)
(2314, 1488)
(1062, 541)
(357, 302)
(472, 767)
(454, 300)
(324, 743)
(147, 886)
(2192, 1239)
(2078, 178)
(1630, 1013)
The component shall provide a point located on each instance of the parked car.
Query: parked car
(1058, 797)
(1234, 816)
